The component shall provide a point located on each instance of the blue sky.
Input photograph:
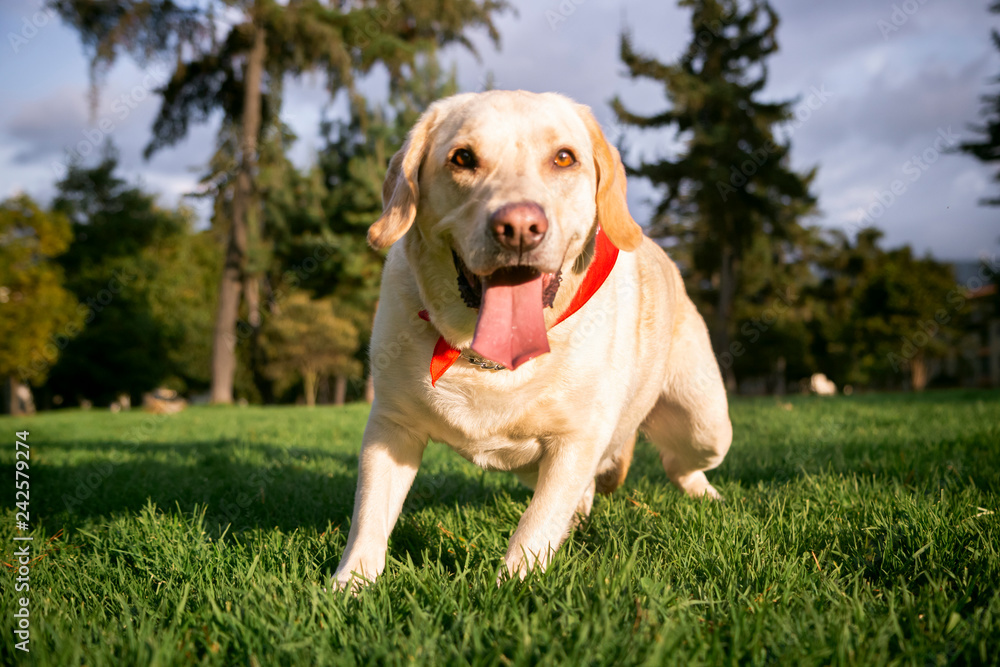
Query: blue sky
(882, 86)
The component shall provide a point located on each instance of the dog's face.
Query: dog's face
(504, 189)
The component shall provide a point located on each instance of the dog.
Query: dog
(526, 321)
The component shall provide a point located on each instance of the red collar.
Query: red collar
(605, 255)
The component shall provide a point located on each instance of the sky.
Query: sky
(882, 90)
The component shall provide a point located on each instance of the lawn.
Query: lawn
(857, 530)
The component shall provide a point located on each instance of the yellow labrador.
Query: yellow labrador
(526, 321)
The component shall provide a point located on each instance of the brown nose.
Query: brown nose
(519, 226)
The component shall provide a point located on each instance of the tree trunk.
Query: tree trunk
(309, 383)
(17, 398)
(724, 313)
(252, 289)
(234, 270)
(780, 383)
(251, 293)
(918, 372)
(340, 390)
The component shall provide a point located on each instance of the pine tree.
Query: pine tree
(987, 149)
(731, 181)
(233, 57)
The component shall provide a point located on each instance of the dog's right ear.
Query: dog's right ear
(401, 190)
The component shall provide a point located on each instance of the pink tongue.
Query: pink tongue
(511, 325)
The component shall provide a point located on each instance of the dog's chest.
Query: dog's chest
(501, 453)
(494, 430)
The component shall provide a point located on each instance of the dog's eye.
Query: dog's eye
(565, 158)
(464, 158)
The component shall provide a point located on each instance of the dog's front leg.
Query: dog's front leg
(390, 456)
(565, 477)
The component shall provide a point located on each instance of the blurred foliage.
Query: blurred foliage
(314, 221)
(987, 148)
(147, 284)
(784, 300)
(882, 313)
(307, 339)
(38, 315)
(233, 58)
(208, 42)
(773, 309)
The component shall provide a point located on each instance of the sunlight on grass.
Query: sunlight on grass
(856, 531)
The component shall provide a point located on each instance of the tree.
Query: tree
(38, 315)
(317, 219)
(181, 293)
(143, 280)
(774, 308)
(307, 338)
(233, 57)
(987, 148)
(731, 181)
(352, 166)
(314, 221)
(883, 313)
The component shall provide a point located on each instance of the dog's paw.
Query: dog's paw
(506, 574)
(513, 570)
(354, 577)
(352, 583)
(520, 562)
(711, 494)
(696, 485)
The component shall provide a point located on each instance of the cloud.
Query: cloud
(935, 96)
(44, 127)
(890, 94)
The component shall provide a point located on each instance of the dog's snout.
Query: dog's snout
(520, 226)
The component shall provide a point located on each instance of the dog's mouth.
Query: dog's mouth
(470, 286)
(510, 329)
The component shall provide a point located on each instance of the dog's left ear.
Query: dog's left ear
(401, 191)
(612, 208)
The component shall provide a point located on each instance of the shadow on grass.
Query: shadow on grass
(905, 463)
(244, 486)
(252, 485)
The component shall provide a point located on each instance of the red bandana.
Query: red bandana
(605, 255)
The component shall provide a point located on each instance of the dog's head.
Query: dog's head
(503, 189)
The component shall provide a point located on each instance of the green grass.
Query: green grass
(852, 534)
